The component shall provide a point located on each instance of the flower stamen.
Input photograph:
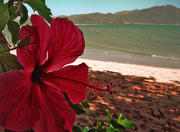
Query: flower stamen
(107, 89)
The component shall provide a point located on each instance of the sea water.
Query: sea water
(161, 41)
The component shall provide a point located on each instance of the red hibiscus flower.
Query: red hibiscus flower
(32, 98)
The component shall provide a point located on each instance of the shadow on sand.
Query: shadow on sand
(154, 106)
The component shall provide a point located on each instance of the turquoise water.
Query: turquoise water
(161, 41)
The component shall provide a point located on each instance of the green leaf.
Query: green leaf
(75, 107)
(13, 12)
(43, 1)
(24, 13)
(126, 123)
(108, 115)
(41, 8)
(99, 124)
(4, 15)
(112, 130)
(77, 129)
(114, 124)
(86, 129)
(14, 28)
(3, 43)
(85, 104)
(8, 62)
(120, 117)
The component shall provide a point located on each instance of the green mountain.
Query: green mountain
(155, 15)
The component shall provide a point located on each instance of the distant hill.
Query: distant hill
(155, 15)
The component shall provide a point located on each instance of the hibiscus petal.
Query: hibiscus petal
(45, 37)
(56, 116)
(69, 80)
(19, 101)
(40, 34)
(27, 54)
(69, 44)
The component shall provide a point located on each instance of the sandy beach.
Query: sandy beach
(159, 74)
(148, 95)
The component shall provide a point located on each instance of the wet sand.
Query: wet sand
(130, 58)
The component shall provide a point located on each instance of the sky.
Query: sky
(70, 7)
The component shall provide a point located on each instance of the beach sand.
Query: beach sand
(148, 95)
(159, 74)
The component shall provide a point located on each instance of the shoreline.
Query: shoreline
(130, 58)
(160, 74)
